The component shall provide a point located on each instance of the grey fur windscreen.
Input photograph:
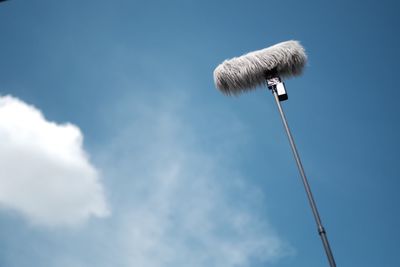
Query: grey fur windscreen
(246, 72)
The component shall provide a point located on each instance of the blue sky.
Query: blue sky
(166, 171)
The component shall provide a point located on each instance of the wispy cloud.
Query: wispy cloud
(45, 173)
(174, 203)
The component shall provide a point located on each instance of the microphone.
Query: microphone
(267, 66)
(270, 64)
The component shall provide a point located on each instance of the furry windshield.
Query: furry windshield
(246, 72)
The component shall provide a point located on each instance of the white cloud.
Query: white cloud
(44, 172)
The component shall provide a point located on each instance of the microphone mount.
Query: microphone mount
(278, 86)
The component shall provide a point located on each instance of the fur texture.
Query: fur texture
(240, 74)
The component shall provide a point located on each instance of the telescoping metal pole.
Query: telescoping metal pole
(278, 90)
